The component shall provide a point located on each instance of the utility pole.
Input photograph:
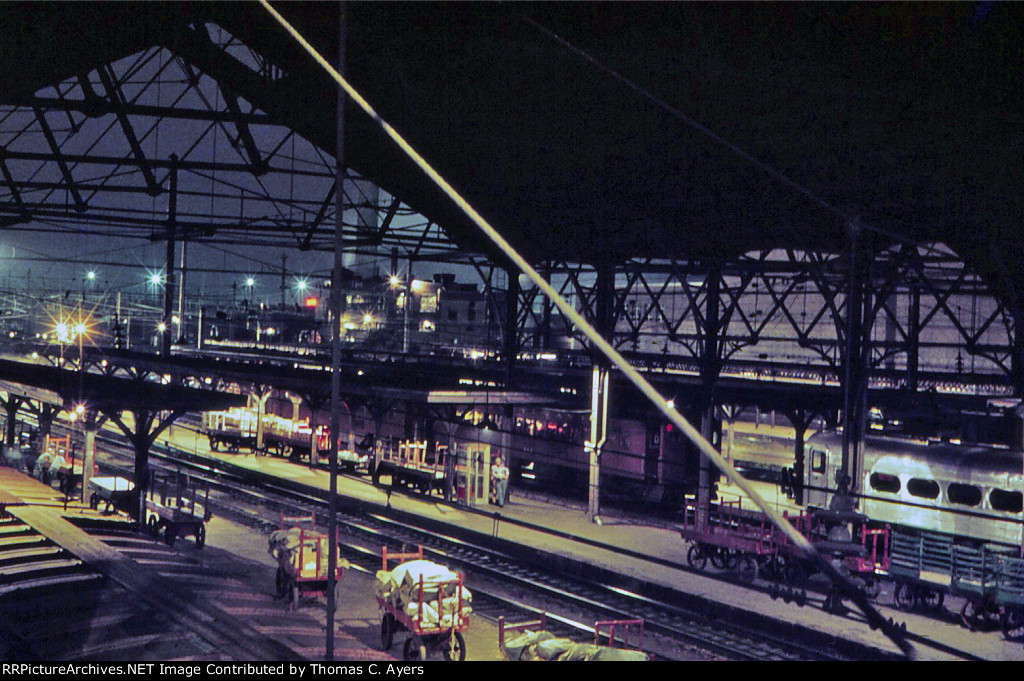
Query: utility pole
(335, 316)
(284, 274)
(172, 216)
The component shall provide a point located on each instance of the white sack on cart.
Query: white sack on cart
(588, 652)
(431, 573)
(407, 593)
(552, 648)
(567, 650)
(430, 617)
(286, 543)
(519, 646)
(282, 541)
(384, 585)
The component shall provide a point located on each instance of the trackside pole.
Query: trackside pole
(874, 618)
(598, 435)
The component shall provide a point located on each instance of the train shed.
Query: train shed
(95, 398)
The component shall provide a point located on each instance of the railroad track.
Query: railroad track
(521, 590)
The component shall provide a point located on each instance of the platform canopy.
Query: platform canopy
(107, 394)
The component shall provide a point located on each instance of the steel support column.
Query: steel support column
(1017, 352)
(595, 442)
(510, 338)
(914, 337)
(801, 421)
(91, 424)
(604, 323)
(855, 360)
(710, 365)
(172, 215)
(11, 407)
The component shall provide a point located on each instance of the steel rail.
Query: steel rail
(678, 624)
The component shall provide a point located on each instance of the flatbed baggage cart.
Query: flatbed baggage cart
(303, 555)
(442, 633)
(178, 507)
(412, 466)
(114, 491)
(733, 539)
(531, 641)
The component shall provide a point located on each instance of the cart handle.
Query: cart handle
(624, 624)
(504, 628)
(398, 557)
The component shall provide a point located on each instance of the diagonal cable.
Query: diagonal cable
(874, 618)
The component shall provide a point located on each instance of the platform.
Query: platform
(167, 605)
(630, 546)
(566, 529)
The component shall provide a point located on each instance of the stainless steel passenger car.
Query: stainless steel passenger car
(971, 491)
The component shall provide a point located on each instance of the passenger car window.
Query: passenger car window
(883, 482)
(964, 495)
(1001, 500)
(926, 489)
(817, 461)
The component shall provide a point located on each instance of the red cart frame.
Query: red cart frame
(745, 542)
(424, 640)
(625, 626)
(305, 572)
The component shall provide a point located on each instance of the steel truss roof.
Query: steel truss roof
(587, 131)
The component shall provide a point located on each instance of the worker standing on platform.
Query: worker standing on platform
(499, 480)
(41, 470)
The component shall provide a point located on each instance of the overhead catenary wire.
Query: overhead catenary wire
(874, 618)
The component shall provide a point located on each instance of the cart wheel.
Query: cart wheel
(970, 614)
(795, 574)
(387, 631)
(720, 558)
(931, 598)
(281, 582)
(414, 649)
(872, 588)
(904, 597)
(976, 615)
(772, 569)
(697, 557)
(152, 524)
(94, 501)
(170, 534)
(1012, 624)
(746, 568)
(455, 651)
(201, 535)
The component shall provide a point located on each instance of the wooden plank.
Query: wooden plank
(236, 638)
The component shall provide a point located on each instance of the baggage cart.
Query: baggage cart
(531, 641)
(177, 506)
(302, 554)
(1010, 597)
(429, 636)
(733, 539)
(115, 492)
